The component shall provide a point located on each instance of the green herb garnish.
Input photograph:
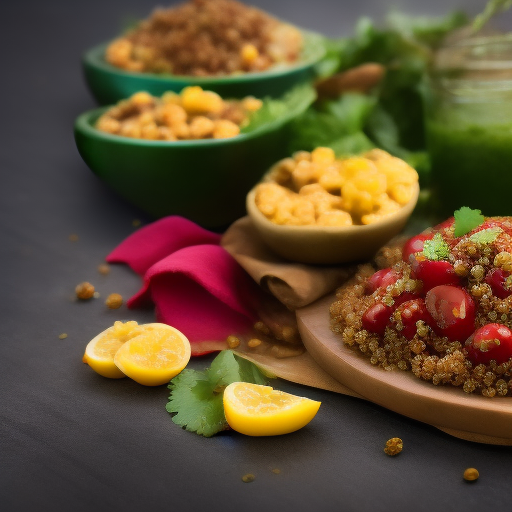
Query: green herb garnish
(491, 8)
(436, 249)
(486, 236)
(196, 397)
(466, 220)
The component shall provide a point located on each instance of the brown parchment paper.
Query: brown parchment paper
(292, 286)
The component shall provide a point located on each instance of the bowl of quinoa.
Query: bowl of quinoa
(222, 45)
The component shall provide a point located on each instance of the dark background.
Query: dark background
(73, 441)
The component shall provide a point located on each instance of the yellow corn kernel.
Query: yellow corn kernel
(331, 178)
(165, 133)
(201, 127)
(371, 181)
(172, 114)
(303, 212)
(171, 97)
(224, 129)
(357, 202)
(351, 166)
(119, 52)
(298, 156)
(251, 103)
(150, 131)
(141, 98)
(336, 218)
(267, 197)
(181, 130)
(282, 171)
(305, 172)
(196, 101)
(108, 124)
(401, 193)
(249, 53)
(397, 171)
(146, 118)
(323, 155)
(377, 154)
(130, 129)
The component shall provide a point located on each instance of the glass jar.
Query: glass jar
(469, 125)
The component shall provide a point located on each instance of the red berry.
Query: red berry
(376, 318)
(434, 273)
(411, 312)
(381, 279)
(497, 280)
(452, 310)
(492, 341)
(414, 245)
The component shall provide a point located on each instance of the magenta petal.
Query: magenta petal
(154, 242)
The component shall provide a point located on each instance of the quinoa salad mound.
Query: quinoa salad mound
(438, 305)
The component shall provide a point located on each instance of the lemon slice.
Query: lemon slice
(100, 351)
(153, 357)
(257, 410)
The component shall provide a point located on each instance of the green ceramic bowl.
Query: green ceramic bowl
(109, 84)
(205, 181)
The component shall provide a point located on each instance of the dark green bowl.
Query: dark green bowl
(205, 181)
(109, 84)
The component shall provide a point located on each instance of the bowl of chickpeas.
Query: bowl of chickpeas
(221, 45)
(315, 208)
(192, 153)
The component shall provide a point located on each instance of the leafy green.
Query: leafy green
(491, 8)
(391, 116)
(486, 236)
(436, 249)
(332, 122)
(466, 220)
(196, 397)
(294, 102)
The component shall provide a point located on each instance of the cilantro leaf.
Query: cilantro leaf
(196, 397)
(466, 220)
(486, 236)
(436, 249)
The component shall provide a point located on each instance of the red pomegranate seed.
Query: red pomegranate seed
(434, 273)
(414, 245)
(381, 279)
(452, 310)
(411, 312)
(492, 341)
(376, 318)
(497, 280)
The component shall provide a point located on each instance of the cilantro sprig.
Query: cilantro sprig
(466, 220)
(196, 397)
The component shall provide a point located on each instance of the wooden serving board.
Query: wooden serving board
(470, 417)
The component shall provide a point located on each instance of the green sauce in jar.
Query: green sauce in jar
(469, 125)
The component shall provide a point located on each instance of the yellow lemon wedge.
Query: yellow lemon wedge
(154, 356)
(257, 410)
(100, 351)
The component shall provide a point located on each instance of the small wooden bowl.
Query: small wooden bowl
(328, 245)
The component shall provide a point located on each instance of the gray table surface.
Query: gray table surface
(73, 441)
